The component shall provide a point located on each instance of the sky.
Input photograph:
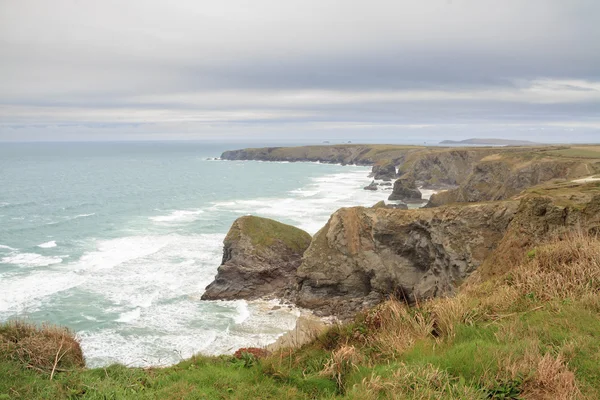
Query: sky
(292, 71)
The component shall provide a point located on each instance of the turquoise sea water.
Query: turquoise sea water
(118, 241)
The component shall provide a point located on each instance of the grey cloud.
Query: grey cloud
(74, 62)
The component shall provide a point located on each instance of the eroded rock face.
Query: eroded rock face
(405, 189)
(501, 179)
(364, 255)
(260, 258)
(384, 171)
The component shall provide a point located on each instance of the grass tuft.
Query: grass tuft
(47, 349)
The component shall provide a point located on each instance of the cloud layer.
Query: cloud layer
(77, 70)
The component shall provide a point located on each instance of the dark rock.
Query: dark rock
(260, 258)
(371, 186)
(405, 189)
(384, 171)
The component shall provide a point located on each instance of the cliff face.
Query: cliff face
(338, 154)
(443, 167)
(260, 258)
(497, 178)
(363, 255)
(553, 210)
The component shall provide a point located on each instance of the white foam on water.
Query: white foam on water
(83, 215)
(114, 252)
(130, 316)
(170, 332)
(310, 207)
(178, 216)
(241, 307)
(27, 293)
(6, 247)
(47, 245)
(30, 260)
(427, 193)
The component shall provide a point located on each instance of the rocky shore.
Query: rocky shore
(363, 256)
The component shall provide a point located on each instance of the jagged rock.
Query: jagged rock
(371, 186)
(260, 258)
(405, 189)
(384, 171)
(498, 179)
(363, 255)
(443, 167)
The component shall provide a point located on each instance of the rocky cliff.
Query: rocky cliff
(337, 154)
(363, 255)
(443, 167)
(498, 177)
(260, 258)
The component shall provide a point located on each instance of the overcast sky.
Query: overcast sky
(287, 70)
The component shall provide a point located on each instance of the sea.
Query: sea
(117, 241)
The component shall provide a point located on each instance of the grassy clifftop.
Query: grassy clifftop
(531, 333)
(263, 232)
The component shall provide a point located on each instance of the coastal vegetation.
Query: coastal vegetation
(531, 333)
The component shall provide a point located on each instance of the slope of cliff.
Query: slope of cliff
(501, 176)
(362, 255)
(260, 258)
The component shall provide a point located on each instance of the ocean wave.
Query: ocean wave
(130, 316)
(71, 218)
(178, 216)
(28, 292)
(30, 260)
(241, 307)
(310, 206)
(6, 247)
(47, 245)
(81, 216)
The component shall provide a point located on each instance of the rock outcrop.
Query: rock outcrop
(441, 168)
(498, 178)
(405, 189)
(554, 210)
(385, 171)
(260, 258)
(363, 255)
(371, 186)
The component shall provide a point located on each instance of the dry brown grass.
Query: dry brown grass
(342, 362)
(400, 326)
(48, 349)
(552, 380)
(568, 268)
(426, 382)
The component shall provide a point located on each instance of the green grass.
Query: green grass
(578, 152)
(533, 333)
(265, 231)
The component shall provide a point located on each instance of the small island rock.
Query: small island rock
(260, 258)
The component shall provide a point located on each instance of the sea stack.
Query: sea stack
(260, 259)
